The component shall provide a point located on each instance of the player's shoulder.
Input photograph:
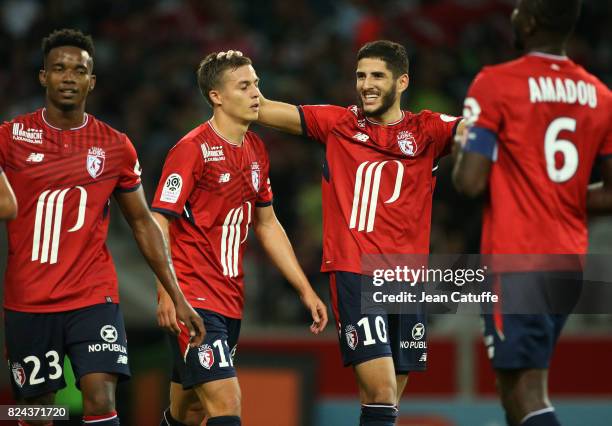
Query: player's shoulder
(426, 116)
(336, 111)
(254, 139)
(496, 72)
(348, 115)
(112, 135)
(585, 75)
(29, 119)
(196, 136)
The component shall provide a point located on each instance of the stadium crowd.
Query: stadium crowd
(147, 52)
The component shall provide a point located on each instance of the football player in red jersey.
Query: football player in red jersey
(378, 180)
(60, 288)
(8, 204)
(214, 185)
(536, 125)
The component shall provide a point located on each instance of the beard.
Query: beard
(388, 99)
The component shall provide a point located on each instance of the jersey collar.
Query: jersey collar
(376, 123)
(549, 56)
(85, 121)
(234, 144)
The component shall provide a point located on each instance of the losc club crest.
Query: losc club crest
(206, 356)
(407, 143)
(18, 374)
(95, 161)
(255, 176)
(352, 338)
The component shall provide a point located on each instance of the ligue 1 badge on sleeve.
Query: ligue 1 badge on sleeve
(255, 175)
(407, 143)
(206, 356)
(352, 338)
(95, 161)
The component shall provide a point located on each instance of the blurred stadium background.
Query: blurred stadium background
(304, 52)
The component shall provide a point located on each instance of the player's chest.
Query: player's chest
(66, 160)
(400, 156)
(235, 175)
(406, 144)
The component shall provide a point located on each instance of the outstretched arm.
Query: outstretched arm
(599, 196)
(280, 116)
(154, 247)
(8, 203)
(274, 241)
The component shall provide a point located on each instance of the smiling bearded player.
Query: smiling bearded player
(378, 180)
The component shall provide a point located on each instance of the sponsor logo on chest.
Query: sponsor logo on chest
(95, 161)
(212, 153)
(407, 143)
(29, 135)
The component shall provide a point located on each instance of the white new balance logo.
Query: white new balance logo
(35, 158)
(365, 198)
(48, 223)
(361, 137)
(230, 239)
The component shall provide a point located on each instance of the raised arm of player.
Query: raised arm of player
(472, 167)
(153, 246)
(274, 241)
(599, 196)
(166, 314)
(8, 203)
(279, 116)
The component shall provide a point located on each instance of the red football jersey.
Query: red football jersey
(63, 181)
(212, 187)
(552, 119)
(378, 181)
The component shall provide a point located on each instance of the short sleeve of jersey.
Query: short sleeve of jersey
(606, 147)
(5, 138)
(265, 195)
(480, 107)
(441, 128)
(129, 175)
(182, 168)
(319, 120)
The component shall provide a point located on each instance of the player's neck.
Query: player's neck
(547, 46)
(229, 129)
(392, 115)
(64, 120)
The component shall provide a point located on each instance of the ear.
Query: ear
(530, 25)
(92, 82)
(403, 82)
(42, 77)
(215, 97)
